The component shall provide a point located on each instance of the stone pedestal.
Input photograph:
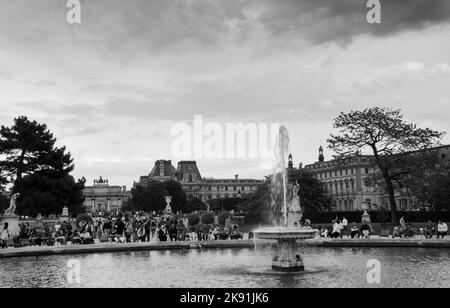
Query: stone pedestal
(365, 217)
(294, 217)
(13, 223)
(286, 257)
(65, 214)
(168, 210)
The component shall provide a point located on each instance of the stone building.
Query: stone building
(189, 176)
(102, 197)
(344, 182)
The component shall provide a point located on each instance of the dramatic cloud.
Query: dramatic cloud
(111, 87)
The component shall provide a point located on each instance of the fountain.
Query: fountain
(285, 254)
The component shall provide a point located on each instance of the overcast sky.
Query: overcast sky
(111, 88)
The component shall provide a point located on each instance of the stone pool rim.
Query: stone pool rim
(127, 247)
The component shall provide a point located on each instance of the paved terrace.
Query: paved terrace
(116, 247)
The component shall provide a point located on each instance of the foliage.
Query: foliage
(29, 147)
(152, 197)
(432, 188)
(207, 218)
(194, 219)
(195, 204)
(38, 170)
(223, 216)
(388, 137)
(266, 204)
(4, 203)
(149, 198)
(83, 217)
(43, 195)
(226, 204)
(179, 199)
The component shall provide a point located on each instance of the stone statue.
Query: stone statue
(295, 203)
(12, 205)
(294, 208)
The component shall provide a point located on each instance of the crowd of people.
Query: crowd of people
(340, 228)
(120, 227)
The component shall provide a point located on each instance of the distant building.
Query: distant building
(344, 182)
(189, 176)
(102, 197)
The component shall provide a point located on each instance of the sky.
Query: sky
(112, 87)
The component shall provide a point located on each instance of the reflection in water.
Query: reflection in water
(326, 267)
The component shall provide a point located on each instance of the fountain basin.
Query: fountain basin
(286, 252)
(277, 233)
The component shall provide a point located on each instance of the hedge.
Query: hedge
(194, 219)
(207, 218)
(379, 216)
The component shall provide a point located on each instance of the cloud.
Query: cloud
(116, 26)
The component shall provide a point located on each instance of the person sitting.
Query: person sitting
(396, 232)
(442, 229)
(429, 230)
(324, 233)
(354, 231)
(365, 229)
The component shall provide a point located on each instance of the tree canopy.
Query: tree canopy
(152, 196)
(265, 205)
(384, 133)
(38, 170)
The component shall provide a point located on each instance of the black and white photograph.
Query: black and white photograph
(211, 146)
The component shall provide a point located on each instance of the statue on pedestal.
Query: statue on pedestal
(168, 209)
(294, 208)
(12, 205)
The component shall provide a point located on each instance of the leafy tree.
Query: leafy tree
(4, 203)
(38, 169)
(29, 147)
(179, 199)
(149, 198)
(45, 195)
(266, 204)
(432, 187)
(388, 137)
(195, 204)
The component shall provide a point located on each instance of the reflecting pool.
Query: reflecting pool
(325, 267)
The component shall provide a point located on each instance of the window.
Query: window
(366, 170)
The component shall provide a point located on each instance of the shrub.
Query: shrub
(207, 218)
(84, 217)
(194, 219)
(223, 216)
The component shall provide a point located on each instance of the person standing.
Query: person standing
(442, 229)
(336, 229)
(5, 235)
(344, 224)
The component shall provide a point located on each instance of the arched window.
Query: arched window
(350, 205)
(190, 178)
(340, 205)
(345, 205)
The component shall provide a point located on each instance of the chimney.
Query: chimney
(236, 176)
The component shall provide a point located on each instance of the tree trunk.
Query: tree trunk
(391, 193)
(20, 167)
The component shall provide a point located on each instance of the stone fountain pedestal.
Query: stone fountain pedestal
(13, 223)
(285, 257)
(286, 253)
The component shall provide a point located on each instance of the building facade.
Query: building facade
(344, 181)
(102, 197)
(189, 176)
